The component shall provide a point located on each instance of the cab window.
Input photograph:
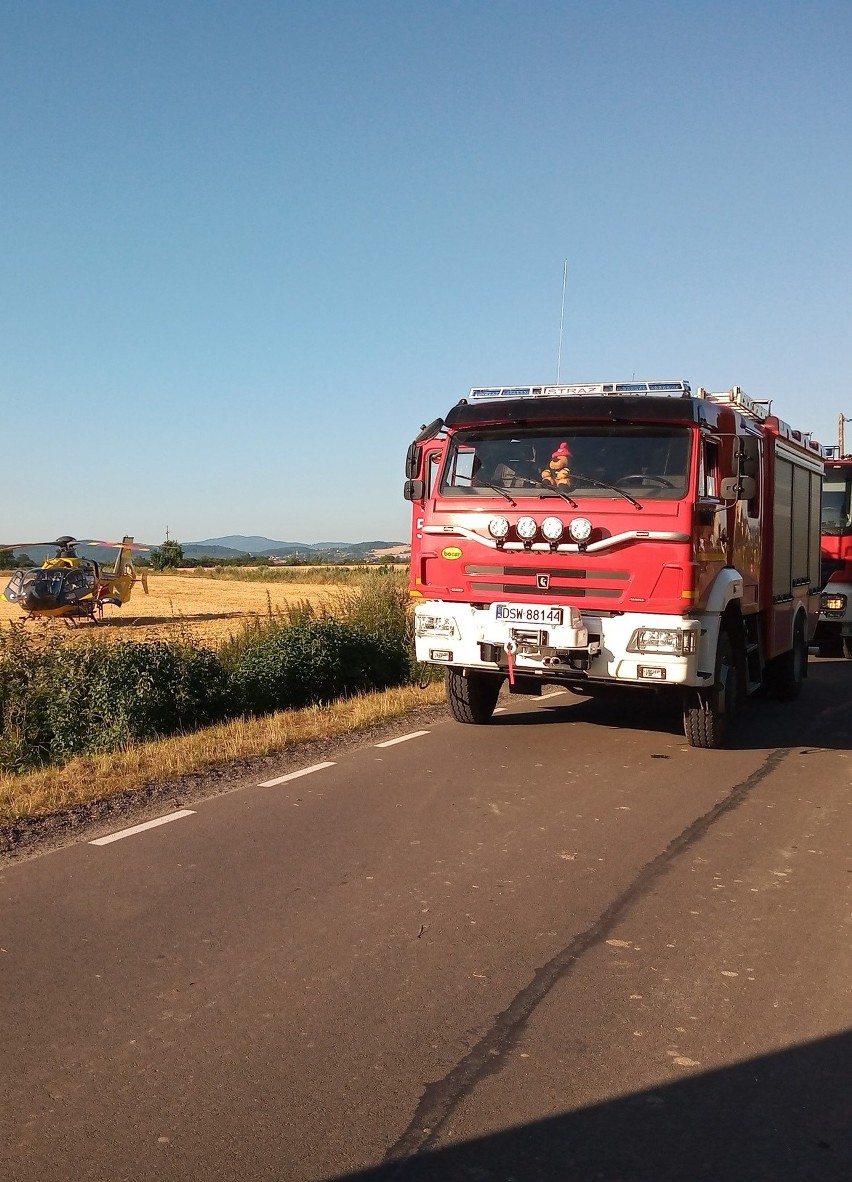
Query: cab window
(433, 464)
(708, 476)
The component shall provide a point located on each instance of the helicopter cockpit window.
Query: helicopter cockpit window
(75, 584)
(52, 581)
(43, 582)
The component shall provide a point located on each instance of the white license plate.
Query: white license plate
(528, 613)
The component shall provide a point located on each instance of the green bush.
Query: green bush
(166, 557)
(316, 661)
(112, 695)
(258, 630)
(28, 675)
(59, 700)
(380, 605)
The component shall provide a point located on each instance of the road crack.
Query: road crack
(488, 1056)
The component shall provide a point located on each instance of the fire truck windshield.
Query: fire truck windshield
(644, 461)
(836, 506)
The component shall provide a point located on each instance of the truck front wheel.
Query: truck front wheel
(472, 696)
(708, 713)
(784, 674)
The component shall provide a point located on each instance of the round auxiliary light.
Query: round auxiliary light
(580, 529)
(526, 528)
(552, 528)
(498, 527)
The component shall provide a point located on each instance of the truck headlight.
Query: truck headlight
(526, 528)
(435, 626)
(676, 642)
(552, 528)
(580, 529)
(832, 603)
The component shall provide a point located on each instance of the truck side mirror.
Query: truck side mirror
(412, 461)
(414, 490)
(429, 431)
(740, 488)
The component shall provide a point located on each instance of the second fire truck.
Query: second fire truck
(615, 535)
(834, 629)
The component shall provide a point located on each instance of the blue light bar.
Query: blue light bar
(678, 386)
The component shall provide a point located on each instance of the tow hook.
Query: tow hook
(511, 649)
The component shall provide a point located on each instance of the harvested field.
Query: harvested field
(184, 606)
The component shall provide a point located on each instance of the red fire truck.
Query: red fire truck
(607, 535)
(834, 628)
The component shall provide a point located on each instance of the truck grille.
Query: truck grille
(574, 582)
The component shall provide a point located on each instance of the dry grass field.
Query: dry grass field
(183, 606)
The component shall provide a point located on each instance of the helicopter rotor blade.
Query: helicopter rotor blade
(69, 543)
(118, 545)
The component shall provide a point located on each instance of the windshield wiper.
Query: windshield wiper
(497, 489)
(551, 491)
(604, 484)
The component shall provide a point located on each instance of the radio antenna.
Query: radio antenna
(561, 322)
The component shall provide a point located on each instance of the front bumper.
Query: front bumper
(588, 648)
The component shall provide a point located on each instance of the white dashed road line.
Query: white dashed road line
(145, 825)
(306, 771)
(402, 739)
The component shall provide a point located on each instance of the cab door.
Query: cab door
(747, 517)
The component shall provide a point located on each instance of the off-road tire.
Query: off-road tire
(847, 647)
(785, 674)
(707, 714)
(472, 698)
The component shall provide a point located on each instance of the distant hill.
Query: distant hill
(244, 545)
(208, 550)
(236, 546)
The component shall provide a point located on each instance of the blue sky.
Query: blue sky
(246, 249)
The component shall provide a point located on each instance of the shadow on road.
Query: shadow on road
(820, 717)
(785, 1117)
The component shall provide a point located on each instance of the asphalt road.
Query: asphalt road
(562, 946)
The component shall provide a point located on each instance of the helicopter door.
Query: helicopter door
(76, 584)
(15, 587)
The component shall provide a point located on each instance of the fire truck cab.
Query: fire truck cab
(834, 627)
(615, 535)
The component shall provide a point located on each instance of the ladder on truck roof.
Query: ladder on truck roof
(750, 407)
(761, 410)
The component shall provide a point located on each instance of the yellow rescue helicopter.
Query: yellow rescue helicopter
(72, 587)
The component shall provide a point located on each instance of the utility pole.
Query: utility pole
(841, 446)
